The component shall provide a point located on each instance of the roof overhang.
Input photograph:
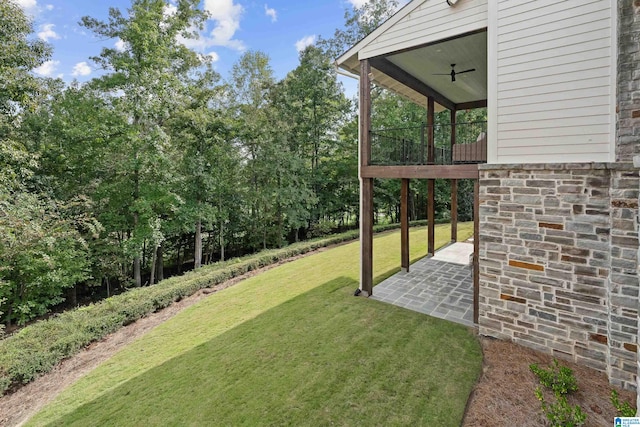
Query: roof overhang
(423, 69)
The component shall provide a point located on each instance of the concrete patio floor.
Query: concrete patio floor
(440, 286)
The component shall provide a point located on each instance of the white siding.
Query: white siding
(430, 22)
(554, 67)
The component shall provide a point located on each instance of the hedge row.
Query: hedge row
(37, 348)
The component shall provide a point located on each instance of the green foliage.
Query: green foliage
(42, 255)
(561, 381)
(625, 409)
(560, 413)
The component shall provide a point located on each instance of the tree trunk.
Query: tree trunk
(137, 277)
(221, 240)
(154, 257)
(197, 252)
(73, 295)
(160, 263)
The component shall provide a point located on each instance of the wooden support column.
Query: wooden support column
(454, 210)
(431, 150)
(366, 184)
(431, 183)
(431, 216)
(476, 249)
(404, 225)
(454, 184)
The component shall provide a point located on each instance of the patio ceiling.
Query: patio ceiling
(411, 73)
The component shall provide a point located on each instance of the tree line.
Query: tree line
(160, 164)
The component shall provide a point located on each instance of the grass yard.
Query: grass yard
(290, 346)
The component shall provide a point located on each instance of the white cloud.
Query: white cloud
(47, 68)
(47, 33)
(120, 45)
(28, 5)
(358, 3)
(304, 42)
(271, 12)
(81, 69)
(170, 10)
(227, 16)
(213, 57)
(49, 7)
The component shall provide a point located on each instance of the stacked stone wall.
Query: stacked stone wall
(628, 90)
(558, 261)
(628, 93)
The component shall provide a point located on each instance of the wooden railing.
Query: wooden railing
(408, 145)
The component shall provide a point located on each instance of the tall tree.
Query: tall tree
(40, 251)
(145, 79)
(316, 108)
(209, 161)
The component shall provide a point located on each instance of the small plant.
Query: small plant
(624, 408)
(560, 413)
(561, 381)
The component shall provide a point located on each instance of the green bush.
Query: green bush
(624, 408)
(37, 348)
(561, 381)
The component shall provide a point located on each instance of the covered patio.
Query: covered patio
(439, 286)
(434, 54)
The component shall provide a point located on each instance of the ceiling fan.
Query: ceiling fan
(454, 73)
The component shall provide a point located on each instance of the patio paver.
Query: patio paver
(438, 288)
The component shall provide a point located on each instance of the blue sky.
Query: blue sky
(280, 28)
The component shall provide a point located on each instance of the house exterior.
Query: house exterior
(556, 261)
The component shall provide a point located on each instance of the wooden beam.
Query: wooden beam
(431, 145)
(365, 113)
(404, 225)
(471, 105)
(454, 210)
(454, 183)
(400, 75)
(463, 171)
(476, 250)
(366, 238)
(366, 186)
(431, 216)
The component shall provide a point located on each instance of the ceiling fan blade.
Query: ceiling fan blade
(466, 71)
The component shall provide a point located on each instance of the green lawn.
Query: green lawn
(290, 346)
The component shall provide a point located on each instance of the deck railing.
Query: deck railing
(408, 145)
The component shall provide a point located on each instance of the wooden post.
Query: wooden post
(431, 151)
(366, 237)
(366, 184)
(454, 210)
(431, 216)
(476, 249)
(431, 183)
(404, 225)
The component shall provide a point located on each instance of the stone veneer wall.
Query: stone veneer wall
(628, 91)
(559, 261)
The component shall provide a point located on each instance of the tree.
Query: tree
(40, 251)
(315, 107)
(145, 80)
(209, 162)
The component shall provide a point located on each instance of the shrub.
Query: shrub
(37, 348)
(624, 408)
(561, 381)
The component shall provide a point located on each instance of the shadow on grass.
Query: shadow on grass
(320, 358)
